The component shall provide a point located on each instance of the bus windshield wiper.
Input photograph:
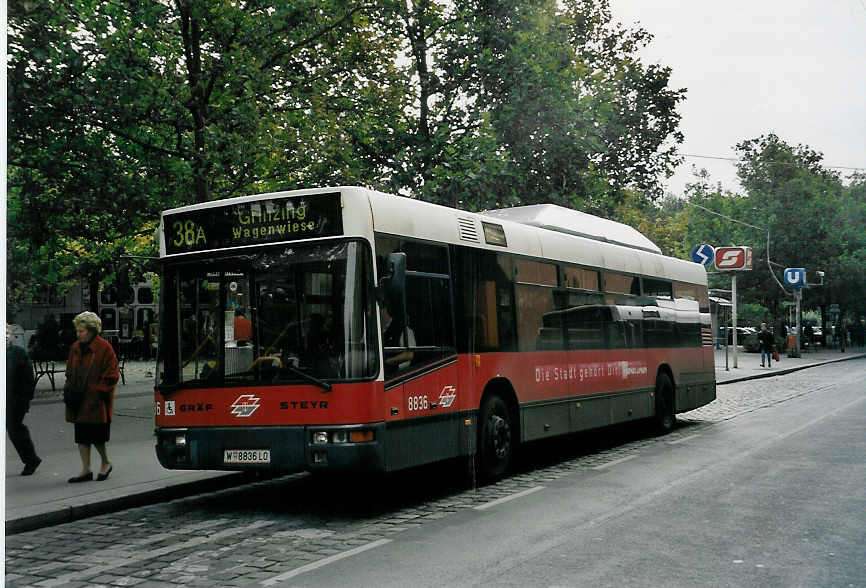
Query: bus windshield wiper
(309, 377)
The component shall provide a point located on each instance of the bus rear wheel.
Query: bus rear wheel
(495, 439)
(665, 419)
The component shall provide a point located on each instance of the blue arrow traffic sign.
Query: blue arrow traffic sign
(703, 254)
(795, 277)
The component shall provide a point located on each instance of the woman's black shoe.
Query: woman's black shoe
(82, 478)
(103, 477)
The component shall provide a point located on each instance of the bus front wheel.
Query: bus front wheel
(666, 418)
(495, 443)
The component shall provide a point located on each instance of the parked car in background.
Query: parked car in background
(742, 333)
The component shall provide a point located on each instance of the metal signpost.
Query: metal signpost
(733, 259)
(795, 277)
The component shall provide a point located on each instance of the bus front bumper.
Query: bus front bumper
(271, 449)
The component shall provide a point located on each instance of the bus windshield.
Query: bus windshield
(289, 314)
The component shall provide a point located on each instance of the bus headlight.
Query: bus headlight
(340, 437)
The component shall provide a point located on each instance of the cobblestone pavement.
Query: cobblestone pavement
(260, 533)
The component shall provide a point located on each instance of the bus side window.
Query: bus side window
(585, 328)
(428, 301)
(428, 313)
(615, 334)
(493, 306)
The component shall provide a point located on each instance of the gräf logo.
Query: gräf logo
(447, 396)
(245, 405)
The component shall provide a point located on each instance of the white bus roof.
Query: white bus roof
(404, 216)
(573, 222)
(544, 231)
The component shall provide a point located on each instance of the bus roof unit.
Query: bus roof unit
(573, 222)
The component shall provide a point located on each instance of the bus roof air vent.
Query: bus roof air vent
(565, 220)
(467, 229)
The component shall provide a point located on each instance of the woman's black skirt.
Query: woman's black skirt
(92, 433)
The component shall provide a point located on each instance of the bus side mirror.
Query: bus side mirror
(392, 286)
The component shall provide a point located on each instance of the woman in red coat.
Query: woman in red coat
(92, 367)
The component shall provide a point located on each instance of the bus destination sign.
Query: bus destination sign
(253, 223)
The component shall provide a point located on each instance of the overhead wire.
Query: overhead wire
(737, 159)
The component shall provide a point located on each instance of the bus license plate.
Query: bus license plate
(242, 456)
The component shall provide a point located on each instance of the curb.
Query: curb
(57, 397)
(69, 514)
(789, 370)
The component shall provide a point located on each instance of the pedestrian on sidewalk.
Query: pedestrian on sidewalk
(765, 339)
(841, 334)
(19, 393)
(92, 368)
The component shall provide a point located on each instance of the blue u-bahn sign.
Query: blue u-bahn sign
(795, 277)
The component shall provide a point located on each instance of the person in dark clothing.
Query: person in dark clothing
(394, 335)
(765, 338)
(842, 335)
(809, 334)
(19, 393)
(91, 367)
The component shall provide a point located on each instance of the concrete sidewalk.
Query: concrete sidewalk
(749, 364)
(46, 498)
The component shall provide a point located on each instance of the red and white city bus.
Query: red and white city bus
(346, 329)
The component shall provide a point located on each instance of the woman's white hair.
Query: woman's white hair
(90, 321)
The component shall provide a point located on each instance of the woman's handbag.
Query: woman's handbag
(775, 356)
(73, 397)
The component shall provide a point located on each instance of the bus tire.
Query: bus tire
(665, 418)
(495, 439)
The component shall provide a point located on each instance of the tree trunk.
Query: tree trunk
(190, 29)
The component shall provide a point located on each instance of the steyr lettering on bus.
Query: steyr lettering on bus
(303, 404)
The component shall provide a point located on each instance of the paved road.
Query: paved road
(769, 497)
(764, 486)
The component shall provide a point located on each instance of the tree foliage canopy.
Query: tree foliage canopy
(119, 110)
(813, 219)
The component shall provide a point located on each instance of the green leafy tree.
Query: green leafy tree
(523, 102)
(789, 192)
(664, 223)
(119, 110)
(812, 218)
(845, 267)
(579, 117)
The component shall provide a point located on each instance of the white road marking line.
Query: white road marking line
(96, 570)
(615, 462)
(508, 498)
(323, 562)
(683, 440)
